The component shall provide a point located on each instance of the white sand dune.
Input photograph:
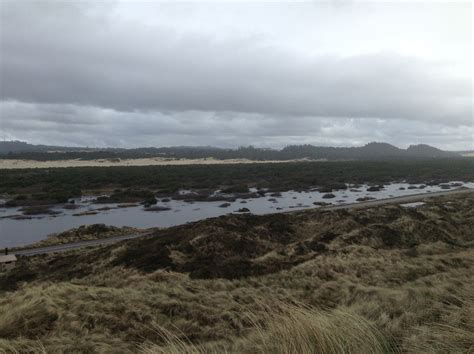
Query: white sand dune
(156, 161)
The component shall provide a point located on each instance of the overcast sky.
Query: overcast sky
(342, 73)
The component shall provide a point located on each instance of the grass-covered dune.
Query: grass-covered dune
(385, 279)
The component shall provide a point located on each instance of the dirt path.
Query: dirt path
(75, 245)
(398, 200)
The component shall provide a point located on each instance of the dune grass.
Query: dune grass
(282, 327)
(301, 329)
(361, 294)
(166, 312)
(452, 333)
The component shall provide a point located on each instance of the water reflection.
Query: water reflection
(20, 232)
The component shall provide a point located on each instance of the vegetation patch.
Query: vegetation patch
(384, 279)
(143, 184)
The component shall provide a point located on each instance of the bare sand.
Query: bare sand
(155, 161)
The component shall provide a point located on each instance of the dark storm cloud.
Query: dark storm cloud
(135, 129)
(66, 55)
(77, 73)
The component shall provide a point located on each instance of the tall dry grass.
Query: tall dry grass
(379, 297)
(33, 347)
(452, 333)
(172, 343)
(289, 328)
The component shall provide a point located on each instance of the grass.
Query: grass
(47, 186)
(288, 328)
(453, 332)
(361, 292)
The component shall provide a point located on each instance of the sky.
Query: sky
(227, 74)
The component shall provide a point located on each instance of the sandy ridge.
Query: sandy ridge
(155, 161)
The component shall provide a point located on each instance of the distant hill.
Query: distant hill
(371, 151)
(427, 151)
(16, 146)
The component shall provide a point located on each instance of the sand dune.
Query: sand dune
(155, 161)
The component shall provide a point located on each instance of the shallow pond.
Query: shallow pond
(15, 232)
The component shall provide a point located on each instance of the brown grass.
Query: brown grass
(363, 292)
(289, 328)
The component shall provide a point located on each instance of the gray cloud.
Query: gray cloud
(222, 129)
(84, 66)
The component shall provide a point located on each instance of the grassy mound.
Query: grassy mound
(376, 280)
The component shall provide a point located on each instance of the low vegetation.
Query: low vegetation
(385, 279)
(129, 196)
(132, 184)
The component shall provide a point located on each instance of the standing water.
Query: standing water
(21, 231)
